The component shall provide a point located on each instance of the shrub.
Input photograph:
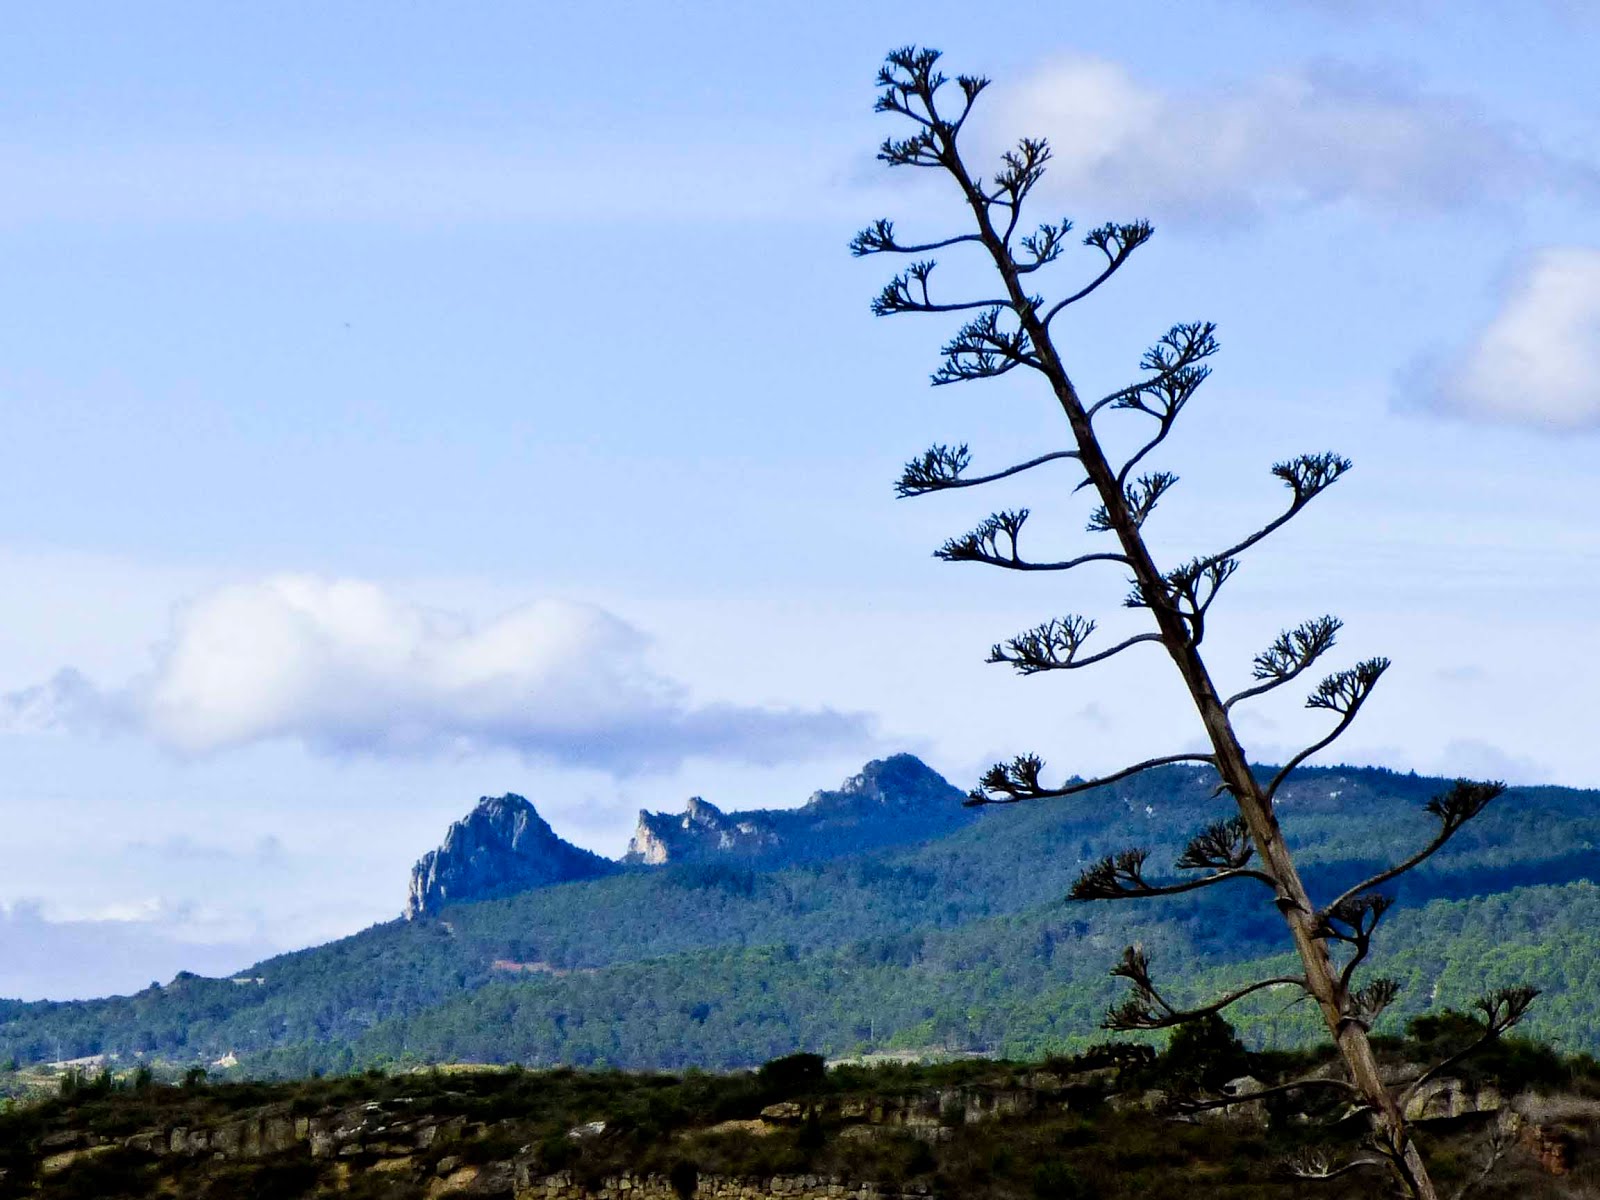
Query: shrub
(1206, 1053)
(793, 1074)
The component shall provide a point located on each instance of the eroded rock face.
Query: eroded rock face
(702, 830)
(900, 784)
(893, 800)
(1448, 1097)
(500, 848)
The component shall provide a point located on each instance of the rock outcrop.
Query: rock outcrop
(893, 800)
(700, 831)
(500, 848)
(899, 786)
(504, 847)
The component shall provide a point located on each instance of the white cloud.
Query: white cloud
(344, 667)
(1322, 134)
(1537, 360)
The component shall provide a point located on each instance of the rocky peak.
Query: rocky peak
(702, 829)
(649, 844)
(700, 811)
(893, 800)
(503, 846)
(901, 783)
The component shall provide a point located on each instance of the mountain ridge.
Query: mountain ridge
(953, 936)
(872, 805)
(503, 847)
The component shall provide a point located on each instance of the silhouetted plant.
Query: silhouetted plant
(1206, 1053)
(792, 1074)
(1011, 331)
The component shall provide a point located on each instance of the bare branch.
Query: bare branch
(970, 86)
(1310, 474)
(994, 542)
(1190, 1105)
(940, 468)
(1044, 246)
(1290, 653)
(1020, 171)
(1121, 877)
(983, 544)
(1018, 780)
(1190, 589)
(1454, 809)
(1502, 1009)
(1365, 1006)
(1054, 646)
(1148, 1009)
(916, 81)
(908, 292)
(1307, 476)
(1178, 350)
(1222, 846)
(1353, 919)
(1315, 1164)
(1343, 693)
(1163, 400)
(919, 150)
(910, 81)
(964, 367)
(982, 349)
(878, 238)
(1116, 242)
(1141, 498)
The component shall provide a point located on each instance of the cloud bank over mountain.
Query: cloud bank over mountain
(347, 668)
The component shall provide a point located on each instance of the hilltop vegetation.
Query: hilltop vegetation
(961, 942)
(1104, 1125)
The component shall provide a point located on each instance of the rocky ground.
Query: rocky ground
(968, 1130)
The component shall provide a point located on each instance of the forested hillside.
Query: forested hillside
(962, 941)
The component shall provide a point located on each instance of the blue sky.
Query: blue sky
(410, 402)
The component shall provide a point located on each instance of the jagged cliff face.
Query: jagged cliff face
(504, 847)
(896, 799)
(500, 848)
(701, 828)
(901, 784)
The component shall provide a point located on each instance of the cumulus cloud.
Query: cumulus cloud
(1321, 134)
(345, 667)
(1537, 360)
